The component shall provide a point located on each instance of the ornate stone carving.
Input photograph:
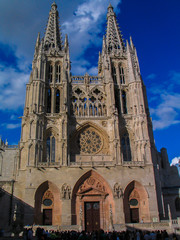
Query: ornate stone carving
(66, 191)
(89, 142)
(94, 184)
(118, 192)
(48, 195)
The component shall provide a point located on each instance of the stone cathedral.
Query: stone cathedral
(87, 157)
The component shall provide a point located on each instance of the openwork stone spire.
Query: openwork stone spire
(53, 36)
(114, 40)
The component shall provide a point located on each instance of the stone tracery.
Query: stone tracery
(88, 104)
(89, 141)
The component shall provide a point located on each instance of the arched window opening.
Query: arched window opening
(117, 99)
(58, 73)
(57, 101)
(124, 102)
(177, 204)
(49, 101)
(114, 74)
(121, 73)
(125, 147)
(51, 149)
(50, 73)
(48, 149)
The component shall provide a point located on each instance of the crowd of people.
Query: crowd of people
(41, 234)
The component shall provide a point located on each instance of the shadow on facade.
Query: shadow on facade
(14, 212)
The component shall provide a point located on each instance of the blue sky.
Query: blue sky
(155, 29)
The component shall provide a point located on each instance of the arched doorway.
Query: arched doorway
(92, 203)
(136, 203)
(47, 204)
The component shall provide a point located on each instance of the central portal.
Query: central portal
(92, 216)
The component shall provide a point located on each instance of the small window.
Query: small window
(49, 101)
(121, 74)
(133, 202)
(124, 103)
(114, 74)
(58, 73)
(57, 101)
(50, 73)
(51, 149)
(125, 147)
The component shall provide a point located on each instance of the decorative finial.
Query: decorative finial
(54, 6)
(110, 6)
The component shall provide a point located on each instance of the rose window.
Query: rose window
(89, 142)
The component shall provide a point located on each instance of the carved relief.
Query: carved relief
(93, 185)
(66, 191)
(118, 192)
(48, 195)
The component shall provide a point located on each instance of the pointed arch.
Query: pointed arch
(136, 203)
(92, 187)
(50, 192)
(51, 135)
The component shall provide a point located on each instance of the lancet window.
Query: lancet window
(92, 104)
(49, 101)
(57, 101)
(50, 73)
(125, 147)
(117, 99)
(50, 149)
(121, 74)
(124, 102)
(113, 70)
(58, 73)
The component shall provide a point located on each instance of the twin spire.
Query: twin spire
(52, 37)
(114, 40)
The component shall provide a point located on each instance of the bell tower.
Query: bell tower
(44, 123)
(119, 66)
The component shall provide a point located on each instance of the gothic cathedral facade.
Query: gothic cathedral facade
(87, 156)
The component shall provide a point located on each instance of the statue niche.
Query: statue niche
(66, 191)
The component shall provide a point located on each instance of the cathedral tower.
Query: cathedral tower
(87, 158)
(78, 131)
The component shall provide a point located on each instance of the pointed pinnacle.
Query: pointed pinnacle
(110, 6)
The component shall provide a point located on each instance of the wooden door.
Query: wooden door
(47, 216)
(134, 215)
(92, 216)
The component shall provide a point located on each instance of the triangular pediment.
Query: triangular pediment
(92, 187)
(92, 192)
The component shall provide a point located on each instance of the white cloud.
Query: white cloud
(175, 161)
(167, 113)
(13, 126)
(151, 76)
(84, 29)
(12, 88)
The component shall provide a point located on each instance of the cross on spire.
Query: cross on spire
(52, 37)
